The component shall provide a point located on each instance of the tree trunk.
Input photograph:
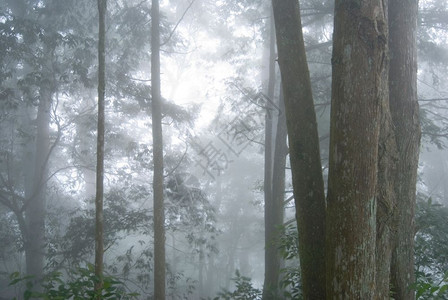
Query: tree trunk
(35, 166)
(271, 257)
(386, 199)
(274, 214)
(99, 242)
(159, 214)
(36, 204)
(86, 151)
(303, 147)
(405, 117)
(359, 54)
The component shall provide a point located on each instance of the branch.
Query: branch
(319, 45)
(433, 99)
(289, 222)
(177, 24)
(288, 200)
(178, 164)
(435, 134)
(137, 79)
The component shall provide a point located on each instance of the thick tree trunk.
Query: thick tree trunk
(359, 54)
(99, 242)
(303, 146)
(405, 117)
(159, 213)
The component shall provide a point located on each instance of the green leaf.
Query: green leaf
(442, 290)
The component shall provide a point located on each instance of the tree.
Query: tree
(274, 178)
(405, 117)
(275, 215)
(34, 92)
(38, 151)
(359, 54)
(157, 140)
(99, 243)
(303, 146)
(385, 195)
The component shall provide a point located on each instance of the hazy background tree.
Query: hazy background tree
(213, 129)
(99, 219)
(157, 146)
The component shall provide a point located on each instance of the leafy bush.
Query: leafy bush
(81, 287)
(431, 251)
(289, 249)
(244, 290)
(427, 288)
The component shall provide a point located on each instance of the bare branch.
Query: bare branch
(178, 164)
(177, 24)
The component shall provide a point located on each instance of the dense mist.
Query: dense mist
(201, 149)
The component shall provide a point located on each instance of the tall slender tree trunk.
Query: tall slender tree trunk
(85, 143)
(405, 116)
(386, 199)
(271, 256)
(201, 267)
(274, 211)
(303, 146)
(278, 196)
(159, 213)
(99, 242)
(359, 54)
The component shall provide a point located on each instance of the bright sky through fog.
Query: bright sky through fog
(200, 74)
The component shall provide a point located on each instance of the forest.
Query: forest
(211, 149)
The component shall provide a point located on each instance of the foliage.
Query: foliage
(290, 280)
(121, 215)
(188, 209)
(80, 287)
(431, 250)
(244, 290)
(427, 288)
(180, 286)
(289, 249)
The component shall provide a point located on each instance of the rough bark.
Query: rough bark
(159, 214)
(359, 54)
(303, 146)
(405, 117)
(386, 200)
(99, 242)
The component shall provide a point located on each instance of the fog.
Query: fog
(220, 109)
